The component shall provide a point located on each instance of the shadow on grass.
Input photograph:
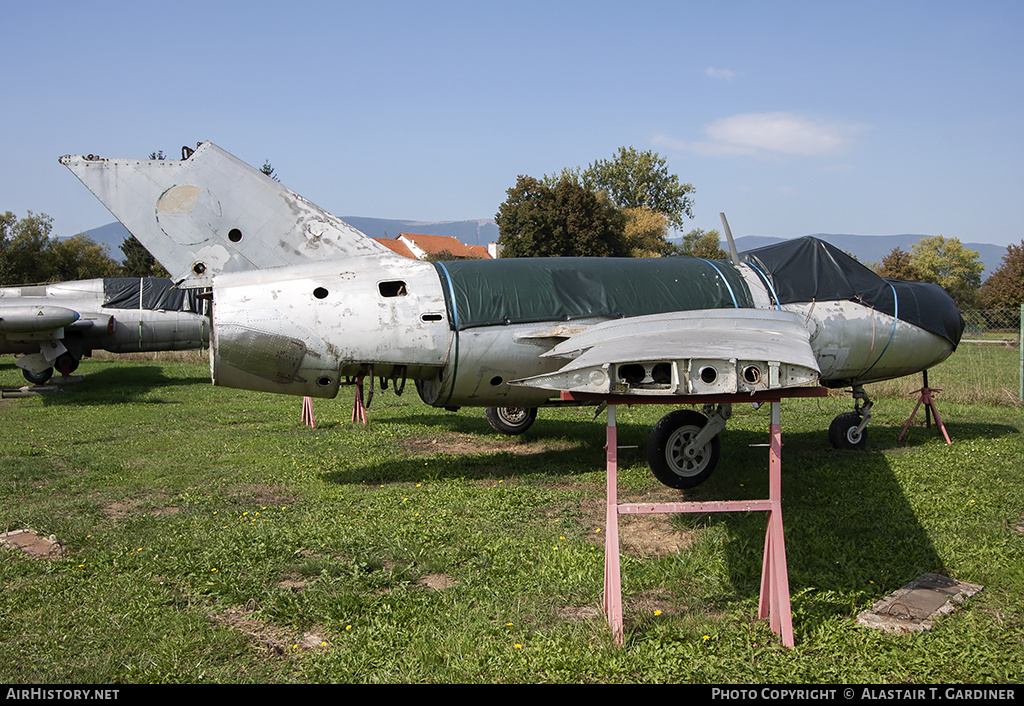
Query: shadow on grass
(851, 532)
(123, 383)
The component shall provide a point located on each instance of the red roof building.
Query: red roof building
(419, 246)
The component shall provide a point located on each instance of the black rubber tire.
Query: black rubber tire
(841, 432)
(66, 364)
(665, 445)
(37, 378)
(511, 420)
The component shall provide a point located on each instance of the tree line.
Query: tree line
(30, 255)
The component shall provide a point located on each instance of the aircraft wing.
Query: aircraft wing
(717, 351)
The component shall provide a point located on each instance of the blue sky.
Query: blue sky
(870, 118)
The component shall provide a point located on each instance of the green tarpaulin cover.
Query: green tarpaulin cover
(524, 290)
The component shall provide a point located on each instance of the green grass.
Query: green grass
(976, 372)
(208, 536)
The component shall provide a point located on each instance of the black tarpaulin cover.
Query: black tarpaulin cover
(524, 290)
(808, 269)
(150, 293)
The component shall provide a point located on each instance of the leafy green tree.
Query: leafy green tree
(639, 184)
(898, 264)
(702, 243)
(640, 179)
(269, 170)
(25, 243)
(81, 257)
(1005, 288)
(28, 253)
(946, 262)
(646, 232)
(566, 220)
(138, 262)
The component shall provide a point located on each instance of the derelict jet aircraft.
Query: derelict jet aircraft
(303, 301)
(55, 325)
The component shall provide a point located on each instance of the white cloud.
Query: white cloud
(773, 133)
(724, 74)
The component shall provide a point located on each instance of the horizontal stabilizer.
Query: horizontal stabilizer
(211, 212)
(686, 353)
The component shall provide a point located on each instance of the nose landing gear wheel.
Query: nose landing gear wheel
(666, 450)
(843, 433)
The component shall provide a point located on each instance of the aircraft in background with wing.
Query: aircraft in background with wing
(303, 301)
(54, 325)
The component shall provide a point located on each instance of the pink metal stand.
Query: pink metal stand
(307, 413)
(928, 400)
(774, 602)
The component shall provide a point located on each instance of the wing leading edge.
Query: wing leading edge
(721, 351)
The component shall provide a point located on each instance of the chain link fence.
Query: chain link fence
(992, 325)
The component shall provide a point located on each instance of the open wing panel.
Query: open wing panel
(685, 353)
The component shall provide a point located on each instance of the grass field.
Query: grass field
(206, 536)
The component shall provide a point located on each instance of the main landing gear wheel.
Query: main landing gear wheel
(66, 364)
(666, 450)
(37, 378)
(845, 432)
(511, 420)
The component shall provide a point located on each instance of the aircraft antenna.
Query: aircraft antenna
(733, 255)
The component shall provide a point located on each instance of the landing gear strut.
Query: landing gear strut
(849, 429)
(683, 447)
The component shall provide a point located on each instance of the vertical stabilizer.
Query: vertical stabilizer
(210, 213)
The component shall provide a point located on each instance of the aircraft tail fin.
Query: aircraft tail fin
(210, 213)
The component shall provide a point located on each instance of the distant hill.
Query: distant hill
(111, 235)
(866, 248)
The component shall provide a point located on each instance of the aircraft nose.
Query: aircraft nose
(929, 306)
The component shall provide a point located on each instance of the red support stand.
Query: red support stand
(307, 412)
(358, 406)
(928, 400)
(774, 601)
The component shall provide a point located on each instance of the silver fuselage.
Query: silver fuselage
(305, 329)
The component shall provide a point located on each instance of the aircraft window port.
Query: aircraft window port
(428, 318)
(234, 235)
(751, 375)
(708, 374)
(199, 268)
(392, 289)
(320, 293)
(496, 380)
(324, 382)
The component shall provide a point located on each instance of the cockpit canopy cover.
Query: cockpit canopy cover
(808, 269)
